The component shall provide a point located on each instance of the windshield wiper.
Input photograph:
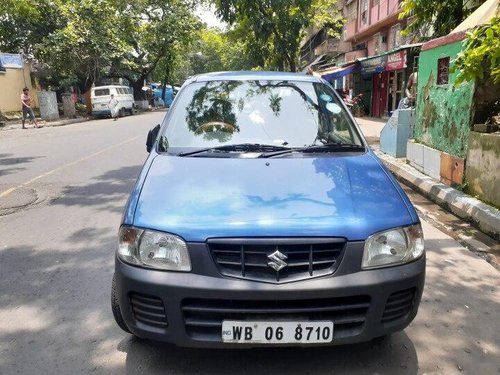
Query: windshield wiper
(327, 147)
(241, 147)
(336, 146)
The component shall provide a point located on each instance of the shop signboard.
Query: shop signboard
(396, 61)
(373, 65)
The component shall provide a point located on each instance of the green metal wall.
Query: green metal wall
(444, 112)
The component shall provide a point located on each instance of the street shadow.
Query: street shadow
(457, 311)
(106, 192)
(378, 356)
(10, 164)
(55, 303)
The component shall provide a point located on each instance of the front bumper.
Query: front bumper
(187, 309)
(101, 112)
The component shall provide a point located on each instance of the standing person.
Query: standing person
(113, 106)
(411, 89)
(27, 110)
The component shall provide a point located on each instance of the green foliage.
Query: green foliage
(480, 55)
(154, 31)
(24, 23)
(81, 41)
(272, 30)
(439, 16)
(216, 50)
(83, 47)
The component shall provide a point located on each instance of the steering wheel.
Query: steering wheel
(215, 126)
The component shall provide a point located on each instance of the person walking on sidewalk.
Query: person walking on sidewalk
(113, 106)
(27, 110)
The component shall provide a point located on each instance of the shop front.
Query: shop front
(396, 68)
(388, 73)
(374, 67)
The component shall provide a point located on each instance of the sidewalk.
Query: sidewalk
(483, 216)
(11, 125)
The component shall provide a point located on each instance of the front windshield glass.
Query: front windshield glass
(278, 113)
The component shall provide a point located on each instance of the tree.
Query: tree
(151, 30)
(481, 54)
(439, 16)
(82, 49)
(273, 29)
(25, 23)
(82, 41)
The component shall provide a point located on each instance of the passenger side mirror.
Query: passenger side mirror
(152, 134)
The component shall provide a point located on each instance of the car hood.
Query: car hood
(199, 198)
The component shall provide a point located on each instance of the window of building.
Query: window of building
(364, 12)
(443, 71)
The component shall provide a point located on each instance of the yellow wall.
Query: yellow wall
(12, 83)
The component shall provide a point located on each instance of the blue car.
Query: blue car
(170, 93)
(262, 218)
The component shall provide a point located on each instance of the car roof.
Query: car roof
(254, 75)
(109, 87)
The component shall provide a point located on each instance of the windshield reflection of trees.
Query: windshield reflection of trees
(214, 109)
(212, 103)
(216, 103)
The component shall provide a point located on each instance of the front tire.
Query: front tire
(115, 307)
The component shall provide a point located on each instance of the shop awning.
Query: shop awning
(387, 61)
(339, 72)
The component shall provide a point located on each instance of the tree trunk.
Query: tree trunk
(165, 81)
(138, 92)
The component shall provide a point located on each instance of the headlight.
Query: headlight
(392, 247)
(153, 249)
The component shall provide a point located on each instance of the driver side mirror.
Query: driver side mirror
(152, 134)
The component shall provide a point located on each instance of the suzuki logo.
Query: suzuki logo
(277, 260)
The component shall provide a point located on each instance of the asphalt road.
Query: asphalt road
(62, 191)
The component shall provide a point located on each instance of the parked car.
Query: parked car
(101, 95)
(262, 217)
(170, 93)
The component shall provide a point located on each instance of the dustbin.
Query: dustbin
(396, 133)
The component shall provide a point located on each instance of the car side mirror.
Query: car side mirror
(152, 134)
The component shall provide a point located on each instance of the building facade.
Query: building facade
(375, 59)
(14, 76)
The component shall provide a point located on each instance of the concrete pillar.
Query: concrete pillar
(68, 106)
(48, 105)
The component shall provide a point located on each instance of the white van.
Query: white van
(101, 95)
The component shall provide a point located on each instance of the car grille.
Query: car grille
(148, 310)
(203, 317)
(399, 305)
(300, 258)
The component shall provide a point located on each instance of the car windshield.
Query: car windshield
(285, 114)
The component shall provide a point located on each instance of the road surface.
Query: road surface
(62, 191)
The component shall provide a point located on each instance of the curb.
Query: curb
(485, 217)
(48, 124)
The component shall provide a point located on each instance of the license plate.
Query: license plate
(243, 332)
(103, 105)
